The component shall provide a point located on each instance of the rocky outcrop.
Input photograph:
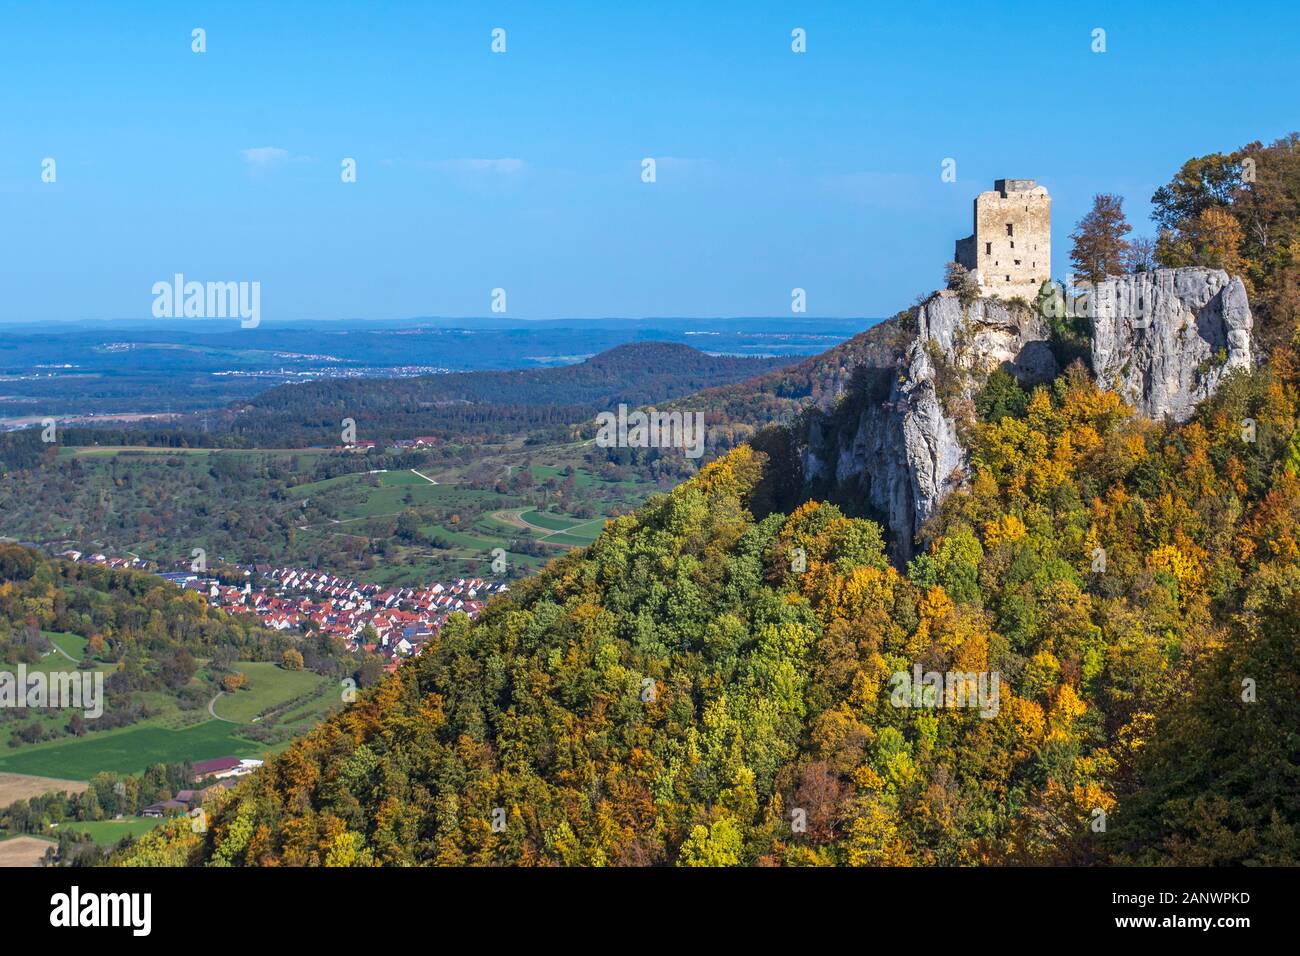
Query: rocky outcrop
(988, 334)
(902, 455)
(1164, 340)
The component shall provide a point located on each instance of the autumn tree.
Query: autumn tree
(1258, 187)
(1140, 255)
(1099, 244)
(1216, 239)
(1204, 182)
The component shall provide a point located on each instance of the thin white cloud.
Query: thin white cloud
(497, 167)
(264, 157)
(682, 162)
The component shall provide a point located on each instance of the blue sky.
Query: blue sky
(522, 170)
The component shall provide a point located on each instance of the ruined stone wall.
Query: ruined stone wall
(1011, 248)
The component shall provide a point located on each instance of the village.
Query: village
(392, 622)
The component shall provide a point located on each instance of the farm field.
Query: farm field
(580, 536)
(550, 521)
(279, 701)
(23, 851)
(108, 832)
(575, 532)
(129, 750)
(16, 786)
(269, 686)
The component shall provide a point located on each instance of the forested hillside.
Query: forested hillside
(464, 407)
(778, 396)
(682, 693)
(735, 413)
(488, 404)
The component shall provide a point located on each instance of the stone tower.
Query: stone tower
(1010, 253)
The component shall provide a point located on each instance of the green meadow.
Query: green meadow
(109, 832)
(280, 701)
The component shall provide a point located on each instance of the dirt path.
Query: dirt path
(515, 516)
(64, 653)
(212, 708)
(512, 517)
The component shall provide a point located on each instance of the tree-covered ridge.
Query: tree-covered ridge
(465, 405)
(735, 412)
(129, 616)
(711, 682)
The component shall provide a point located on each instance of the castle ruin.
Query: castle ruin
(1010, 253)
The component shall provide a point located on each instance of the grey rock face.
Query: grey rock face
(1164, 340)
(904, 457)
(988, 334)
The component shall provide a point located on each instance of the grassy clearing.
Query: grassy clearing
(578, 540)
(550, 521)
(109, 832)
(74, 645)
(398, 479)
(494, 526)
(478, 545)
(269, 686)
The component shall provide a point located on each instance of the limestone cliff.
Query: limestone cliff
(1164, 340)
(897, 451)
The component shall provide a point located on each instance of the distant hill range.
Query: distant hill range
(778, 396)
(197, 365)
(479, 405)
